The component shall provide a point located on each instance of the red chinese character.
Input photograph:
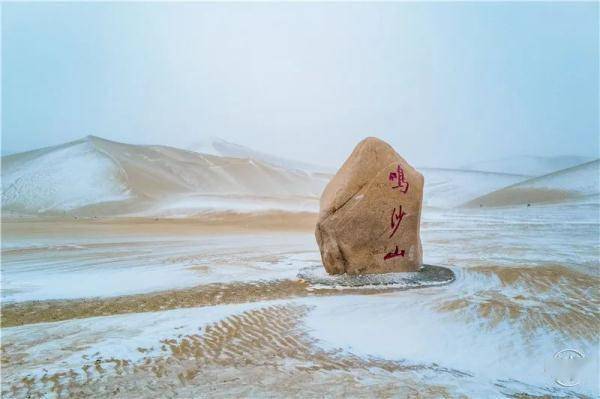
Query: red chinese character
(398, 177)
(396, 219)
(391, 255)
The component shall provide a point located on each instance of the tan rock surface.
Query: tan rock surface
(370, 212)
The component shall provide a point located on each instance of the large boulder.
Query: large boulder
(370, 213)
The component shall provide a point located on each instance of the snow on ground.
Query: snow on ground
(526, 276)
(552, 234)
(61, 346)
(408, 326)
(72, 267)
(401, 326)
(67, 268)
(524, 291)
(189, 205)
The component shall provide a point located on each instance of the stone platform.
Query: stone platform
(426, 276)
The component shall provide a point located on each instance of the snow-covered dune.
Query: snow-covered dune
(447, 188)
(222, 148)
(106, 177)
(528, 165)
(61, 178)
(570, 184)
(93, 176)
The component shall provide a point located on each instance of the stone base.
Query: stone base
(427, 276)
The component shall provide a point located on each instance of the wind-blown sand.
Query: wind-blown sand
(150, 271)
(233, 319)
(207, 223)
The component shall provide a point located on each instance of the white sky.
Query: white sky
(444, 83)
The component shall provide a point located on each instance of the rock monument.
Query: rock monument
(370, 213)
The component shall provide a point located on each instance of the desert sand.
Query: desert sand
(150, 271)
(235, 320)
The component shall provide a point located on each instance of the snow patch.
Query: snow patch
(61, 180)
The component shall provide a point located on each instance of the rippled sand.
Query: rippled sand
(236, 322)
(259, 352)
(546, 297)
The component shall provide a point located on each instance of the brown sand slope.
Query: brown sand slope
(105, 177)
(569, 184)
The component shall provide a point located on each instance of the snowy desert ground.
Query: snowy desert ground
(149, 271)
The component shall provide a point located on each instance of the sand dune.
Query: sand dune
(532, 166)
(222, 148)
(104, 177)
(97, 177)
(447, 188)
(571, 184)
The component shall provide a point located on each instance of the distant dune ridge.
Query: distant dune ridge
(531, 166)
(448, 188)
(576, 183)
(222, 148)
(108, 177)
(93, 176)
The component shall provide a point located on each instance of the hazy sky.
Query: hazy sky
(444, 83)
